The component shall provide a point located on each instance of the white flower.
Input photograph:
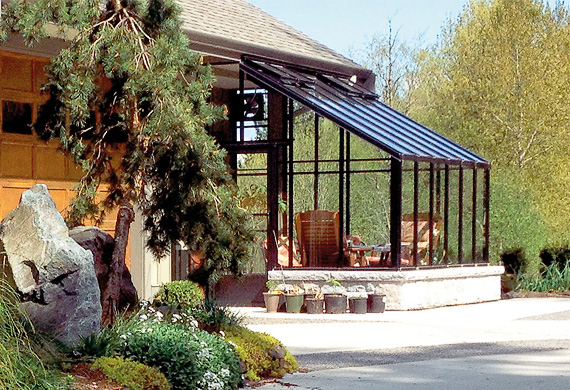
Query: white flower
(222, 333)
(143, 317)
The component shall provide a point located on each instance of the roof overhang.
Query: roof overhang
(353, 107)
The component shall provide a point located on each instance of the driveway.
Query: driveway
(510, 344)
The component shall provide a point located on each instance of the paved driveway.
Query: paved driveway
(511, 344)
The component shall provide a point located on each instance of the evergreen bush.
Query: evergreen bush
(132, 375)
(262, 355)
(183, 293)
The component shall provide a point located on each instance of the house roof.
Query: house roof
(354, 108)
(232, 28)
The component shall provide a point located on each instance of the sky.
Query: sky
(345, 24)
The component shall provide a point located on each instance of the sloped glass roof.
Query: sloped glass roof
(354, 108)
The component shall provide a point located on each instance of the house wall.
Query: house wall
(24, 159)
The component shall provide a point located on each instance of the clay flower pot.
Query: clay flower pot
(271, 301)
(294, 302)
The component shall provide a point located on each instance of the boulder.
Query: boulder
(101, 244)
(54, 275)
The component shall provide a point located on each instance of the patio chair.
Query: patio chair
(318, 237)
(407, 241)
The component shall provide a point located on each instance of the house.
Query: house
(269, 75)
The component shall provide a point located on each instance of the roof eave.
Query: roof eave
(207, 43)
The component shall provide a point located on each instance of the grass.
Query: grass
(551, 278)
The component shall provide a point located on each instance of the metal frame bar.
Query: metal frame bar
(290, 124)
(416, 213)
(460, 221)
(316, 178)
(474, 219)
(341, 162)
(486, 211)
(446, 216)
(348, 172)
(431, 210)
(396, 212)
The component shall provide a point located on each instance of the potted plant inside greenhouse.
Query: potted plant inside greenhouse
(272, 297)
(335, 298)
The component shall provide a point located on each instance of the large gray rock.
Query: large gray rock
(101, 244)
(52, 272)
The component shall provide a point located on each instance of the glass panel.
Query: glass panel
(16, 117)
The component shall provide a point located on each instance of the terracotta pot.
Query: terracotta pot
(271, 301)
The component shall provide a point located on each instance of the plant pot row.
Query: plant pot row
(333, 303)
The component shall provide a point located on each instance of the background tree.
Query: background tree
(497, 83)
(128, 100)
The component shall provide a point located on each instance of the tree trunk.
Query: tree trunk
(111, 296)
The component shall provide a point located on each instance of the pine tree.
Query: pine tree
(128, 101)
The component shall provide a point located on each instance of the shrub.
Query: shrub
(189, 360)
(213, 318)
(182, 293)
(263, 355)
(133, 375)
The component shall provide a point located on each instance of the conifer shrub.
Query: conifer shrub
(132, 375)
(262, 355)
(183, 293)
(189, 359)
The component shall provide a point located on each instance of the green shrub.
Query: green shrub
(182, 293)
(133, 375)
(189, 360)
(261, 354)
(213, 318)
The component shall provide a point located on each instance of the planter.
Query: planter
(314, 306)
(271, 301)
(335, 303)
(376, 303)
(357, 305)
(294, 302)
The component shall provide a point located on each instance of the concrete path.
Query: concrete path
(511, 344)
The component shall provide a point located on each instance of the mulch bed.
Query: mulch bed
(88, 379)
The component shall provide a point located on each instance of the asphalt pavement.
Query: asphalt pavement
(521, 343)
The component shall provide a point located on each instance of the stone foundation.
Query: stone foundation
(413, 289)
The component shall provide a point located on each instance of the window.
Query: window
(16, 117)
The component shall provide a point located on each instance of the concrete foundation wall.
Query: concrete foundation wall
(414, 289)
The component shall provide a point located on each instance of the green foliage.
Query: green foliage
(213, 318)
(556, 255)
(257, 351)
(128, 101)
(551, 278)
(497, 83)
(515, 220)
(20, 367)
(183, 293)
(107, 341)
(189, 360)
(132, 375)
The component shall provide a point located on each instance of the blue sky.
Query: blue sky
(342, 24)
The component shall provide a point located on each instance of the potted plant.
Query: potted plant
(376, 301)
(315, 304)
(357, 302)
(335, 300)
(294, 299)
(272, 297)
